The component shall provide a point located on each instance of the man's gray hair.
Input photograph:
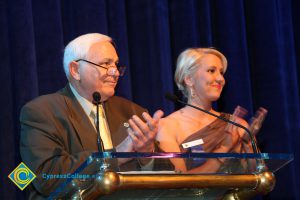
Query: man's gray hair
(188, 63)
(79, 47)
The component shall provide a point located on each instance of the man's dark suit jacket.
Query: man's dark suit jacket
(57, 136)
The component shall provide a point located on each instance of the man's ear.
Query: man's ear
(188, 80)
(74, 70)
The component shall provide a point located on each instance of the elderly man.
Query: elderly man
(58, 132)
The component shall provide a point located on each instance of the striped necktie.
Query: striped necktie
(103, 127)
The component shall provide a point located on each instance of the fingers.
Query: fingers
(132, 135)
(231, 127)
(139, 141)
(153, 122)
(137, 125)
(232, 133)
(143, 133)
(158, 114)
(140, 134)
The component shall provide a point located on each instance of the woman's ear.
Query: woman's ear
(188, 80)
(74, 70)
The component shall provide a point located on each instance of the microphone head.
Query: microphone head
(96, 98)
(171, 97)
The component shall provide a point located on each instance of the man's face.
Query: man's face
(94, 78)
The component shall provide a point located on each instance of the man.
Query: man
(58, 131)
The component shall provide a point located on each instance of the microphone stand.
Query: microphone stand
(96, 101)
(89, 191)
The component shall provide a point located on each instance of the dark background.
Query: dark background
(260, 38)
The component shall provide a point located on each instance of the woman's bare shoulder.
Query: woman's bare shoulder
(169, 124)
(172, 119)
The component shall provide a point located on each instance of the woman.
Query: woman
(199, 75)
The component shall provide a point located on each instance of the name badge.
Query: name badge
(192, 143)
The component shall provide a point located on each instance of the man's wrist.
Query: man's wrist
(145, 161)
(150, 149)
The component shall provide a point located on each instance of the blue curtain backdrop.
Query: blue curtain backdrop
(261, 40)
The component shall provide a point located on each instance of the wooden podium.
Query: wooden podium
(96, 178)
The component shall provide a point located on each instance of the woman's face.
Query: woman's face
(208, 81)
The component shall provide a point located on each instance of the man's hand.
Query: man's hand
(143, 134)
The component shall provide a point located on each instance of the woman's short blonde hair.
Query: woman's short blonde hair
(188, 63)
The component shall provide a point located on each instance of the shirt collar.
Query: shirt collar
(86, 104)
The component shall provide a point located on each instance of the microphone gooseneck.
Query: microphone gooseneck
(175, 99)
(96, 101)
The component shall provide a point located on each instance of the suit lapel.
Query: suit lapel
(80, 121)
(116, 120)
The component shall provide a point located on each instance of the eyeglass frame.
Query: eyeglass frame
(121, 69)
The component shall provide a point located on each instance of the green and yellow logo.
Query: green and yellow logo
(22, 176)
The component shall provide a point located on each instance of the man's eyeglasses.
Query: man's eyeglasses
(111, 70)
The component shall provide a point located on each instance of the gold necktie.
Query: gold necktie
(103, 127)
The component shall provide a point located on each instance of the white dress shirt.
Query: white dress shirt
(90, 110)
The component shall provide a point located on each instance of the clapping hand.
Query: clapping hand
(232, 135)
(143, 133)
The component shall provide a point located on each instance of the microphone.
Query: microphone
(96, 98)
(96, 101)
(175, 99)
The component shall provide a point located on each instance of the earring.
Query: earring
(192, 93)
